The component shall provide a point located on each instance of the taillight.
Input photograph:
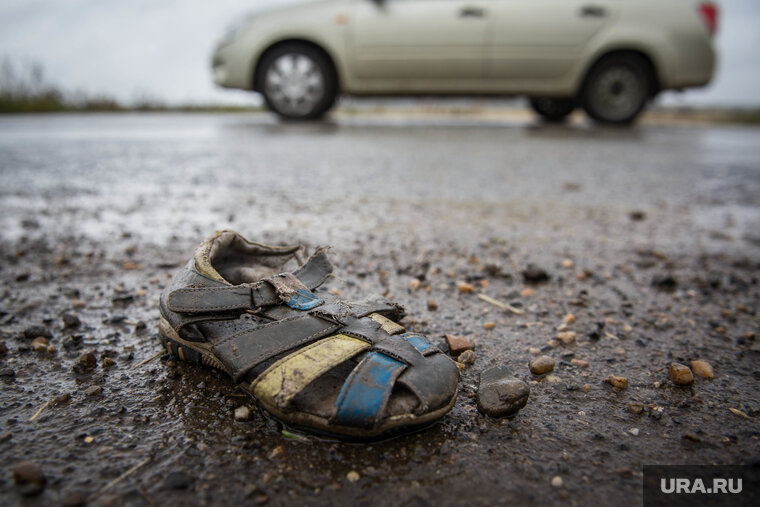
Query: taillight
(709, 13)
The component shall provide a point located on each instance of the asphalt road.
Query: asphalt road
(654, 232)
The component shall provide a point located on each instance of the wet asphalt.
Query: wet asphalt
(650, 237)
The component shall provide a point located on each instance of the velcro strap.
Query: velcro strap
(243, 351)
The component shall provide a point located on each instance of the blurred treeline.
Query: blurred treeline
(25, 89)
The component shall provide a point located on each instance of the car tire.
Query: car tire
(552, 109)
(298, 82)
(617, 88)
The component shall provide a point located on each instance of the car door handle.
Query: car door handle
(472, 12)
(593, 11)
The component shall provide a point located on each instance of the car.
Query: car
(609, 57)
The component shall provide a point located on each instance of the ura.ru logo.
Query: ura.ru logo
(678, 486)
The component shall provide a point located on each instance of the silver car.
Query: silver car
(609, 57)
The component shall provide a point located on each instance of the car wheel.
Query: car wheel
(617, 89)
(552, 109)
(298, 82)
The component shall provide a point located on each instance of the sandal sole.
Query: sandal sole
(200, 353)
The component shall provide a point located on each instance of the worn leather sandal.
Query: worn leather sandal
(343, 368)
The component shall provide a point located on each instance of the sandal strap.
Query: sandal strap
(256, 295)
(243, 351)
(365, 393)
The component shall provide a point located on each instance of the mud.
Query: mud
(650, 237)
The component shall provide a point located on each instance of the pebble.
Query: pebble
(467, 357)
(40, 344)
(7, 371)
(86, 363)
(177, 480)
(414, 284)
(61, 398)
(242, 413)
(29, 477)
(534, 350)
(541, 365)
(74, 499)
(580, 363)
(465, 288)
(702, 368)
(534, 274)
(3, 349)
(499, 393)
(680, 374)
(353, 476)
(566, 337)
(458, 344)
(108, 362)
(93, 391)
(32, 332)
(552, 379)
(489, 325)
(620, 351)
(617, 382)
(636, 408)
(586, 388)
(569, 318)
(70, 320)
(567, 263)
(634, 431)
(432, 305)
(665, 282)
(557, 481)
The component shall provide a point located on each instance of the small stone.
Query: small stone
(569, 318)
(86, 363)
(242, 413)
(534, 274)
(108, 362)
(680, 374)
(414, 284)
(353, 476)
(89, 439)
(458, 344)
(467, 357)
(177, 480)
(580, 363)
(634, 431)
(665, 282)
(7, 371)
(557, 481)
(74, 499)
(702, 368)
(51, 349)
(691, 437)
(637, 215)
(32, 332)
(541, 365)
(617, 382)
(586, 388)
(29, 477)
(93, 391)
(40, 344)
(636, 408)
(566, 337)
(500, 394)
(70, 320)
(527, 292)
(61, 398)
(276, 452)
(552, 379)
(489, 325)
(534, 350)
(567, 263)
(432, 305)
(3, 349)
(620, 351)
(465, 288)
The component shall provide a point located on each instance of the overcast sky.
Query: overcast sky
(161, 48)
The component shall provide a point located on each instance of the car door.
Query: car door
(418, 39)
(536, 39)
